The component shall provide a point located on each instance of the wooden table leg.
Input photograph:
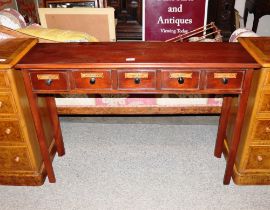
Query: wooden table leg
(223, 122)
(33, 101)
(56, 126)
(238, 127)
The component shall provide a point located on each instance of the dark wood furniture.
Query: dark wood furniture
(129, 18)
(258, 8)
(143, 67)
(222, 13)
(74, 3)
(20, 158)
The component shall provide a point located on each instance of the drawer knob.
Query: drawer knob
(137, 80)
(48, 82)
(225, 80)
(17, 159)
(92, 80)
(1, 104)
(8, 131)
(181, 80)
(259, 158)
(267, 129)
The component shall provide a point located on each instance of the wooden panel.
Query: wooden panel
(12, 50)
(7, 105)
(10, 131)
(143, 55)
(3, 80)
(14, 159)
(94, 79)
(259, 158)
(136, 79)
(261, 130)
(264, 106)
(224, 80)
(173, 79)
(56, 80)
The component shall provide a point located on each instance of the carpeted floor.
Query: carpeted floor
(143, 165)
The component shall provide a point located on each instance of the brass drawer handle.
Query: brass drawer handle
(181, 80)
(1, 104)
(17, 159)
(225, 80)
(48, 82)
(92, 80)
(8, 131)
(267, 130)
(259, 158)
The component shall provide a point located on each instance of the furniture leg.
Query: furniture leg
(255, 23)
(223, 121)
(32, 97)
(238, 127)
(56, 126)
(245, 16)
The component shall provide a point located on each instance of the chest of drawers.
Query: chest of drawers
(20, 158)
(253, 160)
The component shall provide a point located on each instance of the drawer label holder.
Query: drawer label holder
(92, 75)
(48, 76)
(225, 75)
(140, 75)
(177, 75)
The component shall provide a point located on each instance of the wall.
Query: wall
(263, 26)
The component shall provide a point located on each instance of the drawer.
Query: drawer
(264, 105)
(3, 80)
(7, 104)
(10, 132)
(267, 79)
(224, 80)
(55, 80)
(128, 79)
(259, 157)
(180, 79)
(261, 130)
(14, 159)
(92, 79)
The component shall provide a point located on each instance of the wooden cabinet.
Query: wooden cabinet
(129, 18)
(20, 158)
(222, 13)
(253, 159)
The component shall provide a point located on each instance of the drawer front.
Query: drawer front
(10, 132)
(137, 79)
(49, 81)
(7, 104)
(264, 105)
(261, 130)
(92, 79)
(224, 81)
(267, 79)
(3, 80)
(180, 79)
(14, 159)
(259, 158)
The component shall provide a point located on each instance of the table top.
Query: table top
(12, 50)
(258, 47)
(137, 55)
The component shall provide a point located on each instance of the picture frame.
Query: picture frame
(71, 3)
(98, 22)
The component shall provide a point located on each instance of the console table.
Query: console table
(139, 67)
